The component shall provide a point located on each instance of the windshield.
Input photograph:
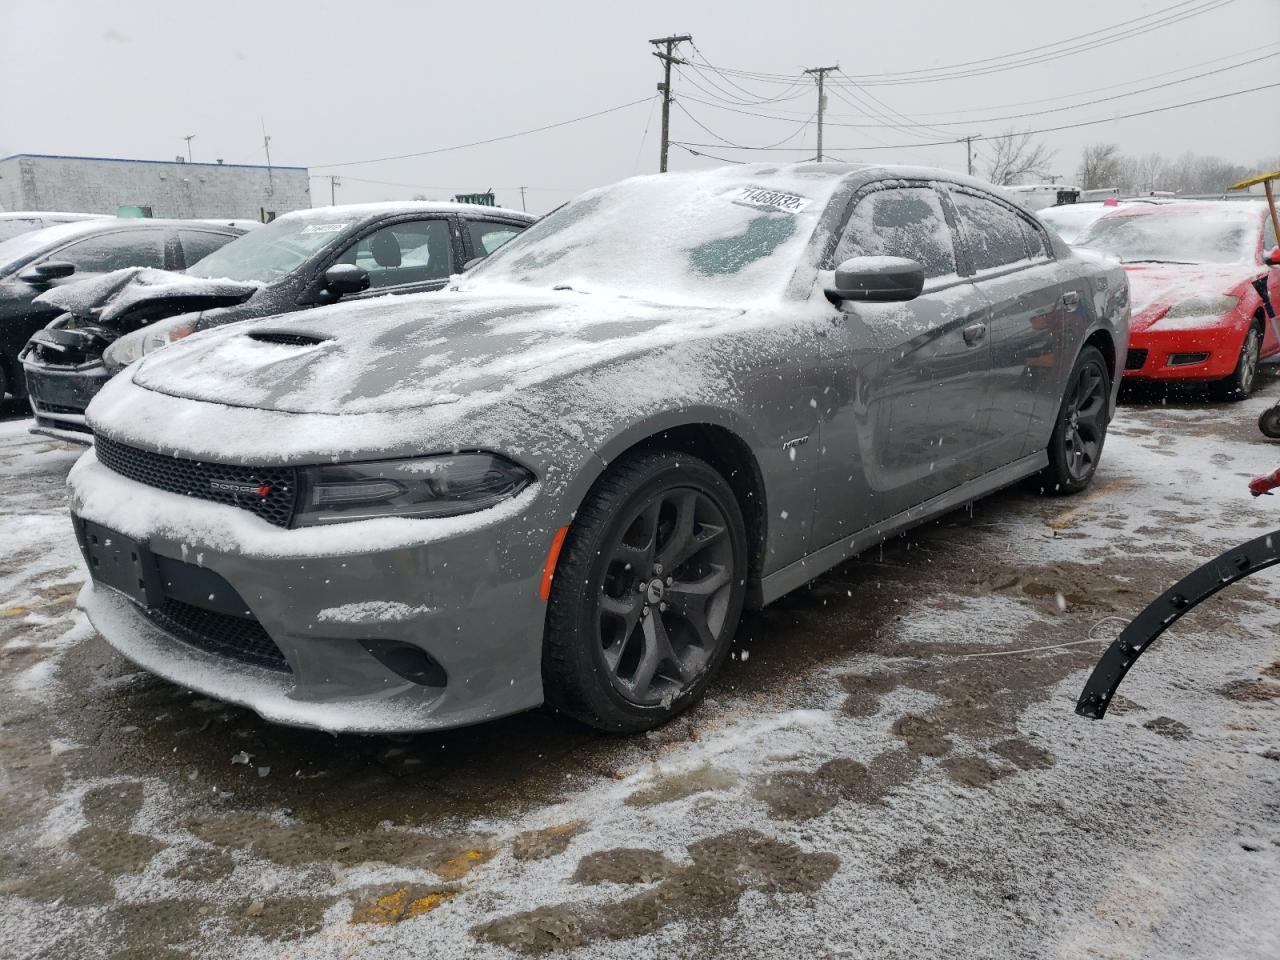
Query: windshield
(1177, 236)
(274, 250)
(722, 236)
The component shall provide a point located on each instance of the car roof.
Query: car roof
(1190, 207)
(53, 214)
(366, 211)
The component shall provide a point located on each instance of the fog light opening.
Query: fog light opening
(1186, 359)
(406, 660)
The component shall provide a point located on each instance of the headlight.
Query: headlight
(1204, 307)
(440, 486)
(134, 346)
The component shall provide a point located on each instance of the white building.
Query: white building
(158, 188)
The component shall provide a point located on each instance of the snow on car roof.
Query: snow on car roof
(384, 207)
(1231, 209)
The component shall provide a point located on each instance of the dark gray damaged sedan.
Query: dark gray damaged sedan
(562, 479)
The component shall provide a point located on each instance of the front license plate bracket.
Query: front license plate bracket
(121, 563)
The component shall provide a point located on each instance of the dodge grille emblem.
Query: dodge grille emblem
(258, 490)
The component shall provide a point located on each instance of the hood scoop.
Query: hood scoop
(286, 338)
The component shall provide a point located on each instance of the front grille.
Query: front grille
(1136, 359)
(194, 478)
(59, 408)
(238, 638)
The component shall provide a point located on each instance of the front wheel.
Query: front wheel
(647, 593)
(1269, 423)
(1239, 385)
(1081, 429)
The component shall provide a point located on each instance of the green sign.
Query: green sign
(133, 212)
(483, 199)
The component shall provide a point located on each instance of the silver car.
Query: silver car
(561, 480)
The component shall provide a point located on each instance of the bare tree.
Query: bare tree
(1099, 166)
(1149, 172)
(1014, 156)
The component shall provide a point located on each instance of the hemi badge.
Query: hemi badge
(798, 441)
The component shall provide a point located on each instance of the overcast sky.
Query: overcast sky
(335, 82)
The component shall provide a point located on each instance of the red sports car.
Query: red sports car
(1203, 279)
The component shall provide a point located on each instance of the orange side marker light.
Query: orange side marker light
(549, 569)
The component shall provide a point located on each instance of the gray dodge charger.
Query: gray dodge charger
(562, 479)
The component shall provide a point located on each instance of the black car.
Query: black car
(302, 259)
(40, 261)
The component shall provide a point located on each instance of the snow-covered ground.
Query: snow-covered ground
(888, 767)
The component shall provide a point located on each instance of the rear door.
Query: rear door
(1011, 263)
(483, 236)
(909, 420)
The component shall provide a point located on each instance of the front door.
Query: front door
(908, 419)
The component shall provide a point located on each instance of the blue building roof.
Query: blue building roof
(175, 163)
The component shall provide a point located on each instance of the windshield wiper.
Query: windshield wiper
(1185, 263)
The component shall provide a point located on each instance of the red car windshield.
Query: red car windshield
(1176, 236)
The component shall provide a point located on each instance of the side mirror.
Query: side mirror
(344, 278)
(1272, 257)
(47, 272)
(471, 263)
(877, 280)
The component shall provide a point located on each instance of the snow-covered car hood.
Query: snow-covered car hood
(400, 353)
(1155, 287)
(110, 295)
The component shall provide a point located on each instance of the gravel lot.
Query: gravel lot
(889, 766)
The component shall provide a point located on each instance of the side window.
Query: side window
(417, 251)
(487, 236)
(1035, 240)
(115, 251)
(995, 232)
(901, 222)
(198, 244)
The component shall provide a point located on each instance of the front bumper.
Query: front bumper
(1156, 354)
(60, 395)
(465, 594)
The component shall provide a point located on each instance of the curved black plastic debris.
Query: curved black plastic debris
(1196, 587)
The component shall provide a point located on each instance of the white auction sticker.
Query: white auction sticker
(774, 199)
(325, 227)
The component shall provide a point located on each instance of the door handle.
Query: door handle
(975, 333)
(1070, 299)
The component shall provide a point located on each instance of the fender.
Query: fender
(1196, 587)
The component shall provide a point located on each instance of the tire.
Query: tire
(1240, 384)
(637, 625)
(4, 381)
(1269, 423)
(1081, 428)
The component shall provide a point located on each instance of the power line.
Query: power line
(478, 143)
(1065, 126)
(1012, 116)
(1031, 56)
(727, 142)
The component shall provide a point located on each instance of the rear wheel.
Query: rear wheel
(647, 593)
(1239, 385)
(1076, 444)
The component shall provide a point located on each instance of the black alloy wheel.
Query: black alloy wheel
(1075, 448)
(647, 593)
(1239, 386)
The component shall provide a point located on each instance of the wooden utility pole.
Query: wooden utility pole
(668, 57)
(522, 206)
(968, 149)
(333, 183)
(821, 74)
